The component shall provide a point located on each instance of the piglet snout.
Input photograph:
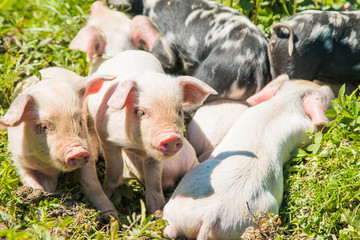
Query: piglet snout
(77, 157)
(170, 145)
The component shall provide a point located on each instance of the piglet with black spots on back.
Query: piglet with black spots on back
(211, 42)
(318, 45)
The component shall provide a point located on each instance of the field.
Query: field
(322, 187)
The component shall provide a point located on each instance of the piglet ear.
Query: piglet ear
(144, 33)
(269, 91)
(316, 104)
(17, 111)
(195, 91)
(121, 95)
(90, 40)
(93, 84)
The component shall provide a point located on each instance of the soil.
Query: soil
(68, 207)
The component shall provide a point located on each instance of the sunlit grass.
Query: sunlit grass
(321, 183)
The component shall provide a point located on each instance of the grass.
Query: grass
(321, 189)
(34, 35)
(323, 192)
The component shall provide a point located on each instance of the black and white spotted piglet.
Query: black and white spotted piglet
(318, 45)
(212, 42)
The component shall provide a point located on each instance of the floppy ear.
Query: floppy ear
(17, 111)
(144, 33)
(195, 91)
(316, 104)
(92, 84)
(269, 91)
(121, 95)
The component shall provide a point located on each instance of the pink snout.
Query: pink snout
(77, 157)
(170, 145)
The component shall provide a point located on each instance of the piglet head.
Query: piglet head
(90, 40)
(316, 104)
(315, 98)
(51, 133)
(50, 122)
(144, 33)
(107, 32)
(155, 105)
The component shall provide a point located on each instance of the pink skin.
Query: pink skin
(107, 32)
(315, 105)
(144, 33)
(247, 164)
(77, 156)
(96, 6)
(137, 116)
(268, 91)
(204, 131)
(90, 40)
(169, 143)
(46, 134)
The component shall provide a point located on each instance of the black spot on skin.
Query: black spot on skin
(97, 46)
(205, 58)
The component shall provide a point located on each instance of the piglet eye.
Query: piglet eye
(139, 113)
(42, 128)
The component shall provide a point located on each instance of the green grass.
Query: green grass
(34, 35)
(321, 189)
(323, 192)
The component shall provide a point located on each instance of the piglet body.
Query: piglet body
(211, 200)
(46, 134)
(210, 124)
(140, 115)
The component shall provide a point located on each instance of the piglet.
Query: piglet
(140, 114)
(210, 124)
(211, 200)
(47, 135)
(209, 41)
(107, 32)
(321, 45)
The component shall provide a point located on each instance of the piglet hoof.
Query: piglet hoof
(170, 232)
(105, 216)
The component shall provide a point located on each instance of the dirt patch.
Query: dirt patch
(30, 196)
(60, 208)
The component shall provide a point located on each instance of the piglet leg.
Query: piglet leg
(153, 184)
(114, 168)
(38, 180)
(93, 189)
